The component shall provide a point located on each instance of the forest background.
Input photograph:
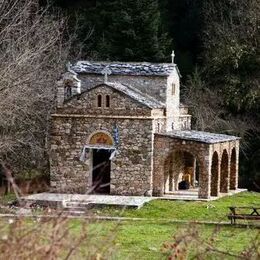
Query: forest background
(217, 51)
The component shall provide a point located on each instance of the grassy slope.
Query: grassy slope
(188, 210)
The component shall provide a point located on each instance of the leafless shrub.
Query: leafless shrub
(50, 238)
(33, 52)
(209, 112)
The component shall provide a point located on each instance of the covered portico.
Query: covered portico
(203, 160)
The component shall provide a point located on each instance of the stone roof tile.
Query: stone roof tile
(200, 136)
(121, 68)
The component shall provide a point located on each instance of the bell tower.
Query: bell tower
(173, 98)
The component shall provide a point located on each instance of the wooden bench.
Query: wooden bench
(247, 213)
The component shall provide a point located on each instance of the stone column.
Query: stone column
(204, 177)
(193, 177)
(234, 169)
(158, 168)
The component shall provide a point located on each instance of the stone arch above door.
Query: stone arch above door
(101, 138)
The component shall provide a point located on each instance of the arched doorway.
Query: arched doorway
(214, 175)
(224, 173)
(233, 170)
(102, 146)
(181, 172)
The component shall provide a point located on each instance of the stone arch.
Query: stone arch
(214, 187)
(180, 165)
(233, 169)
(224, 173)
(101, 137)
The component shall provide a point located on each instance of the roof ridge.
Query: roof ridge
(125, 68)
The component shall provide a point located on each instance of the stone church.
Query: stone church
(119, 128)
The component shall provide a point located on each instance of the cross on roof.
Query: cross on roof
(173, 56)
(106, 71)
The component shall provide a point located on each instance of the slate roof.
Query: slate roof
(134, 94)
(120, 68)
(200, 136)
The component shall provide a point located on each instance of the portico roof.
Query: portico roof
(200, 136)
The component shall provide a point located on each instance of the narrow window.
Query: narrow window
(173, 88)
(68, 91)
(99, 100)
(158, 127)
(107, 101)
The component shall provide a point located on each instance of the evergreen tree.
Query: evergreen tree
(137, 32)
(126, 30)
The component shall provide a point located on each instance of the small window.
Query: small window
(107, 101)
(158, 127)
(99, 100)
(172, 126)
(173, 88)
(68, 91)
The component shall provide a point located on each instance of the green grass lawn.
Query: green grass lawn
(144, 240)
(187, 210)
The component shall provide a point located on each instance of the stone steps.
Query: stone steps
(76, 208)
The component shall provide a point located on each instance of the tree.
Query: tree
(138, 32)
(126, 30)
(231, 61)
(231, 52)
(32, 56)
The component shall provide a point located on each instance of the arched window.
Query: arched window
(107, 101)
(99, 101)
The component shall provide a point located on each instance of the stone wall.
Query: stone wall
(120, 104)
(130, 169)
(78, 119)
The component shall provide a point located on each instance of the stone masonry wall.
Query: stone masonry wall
(72, 125)
(130, 169)
(120, 104)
